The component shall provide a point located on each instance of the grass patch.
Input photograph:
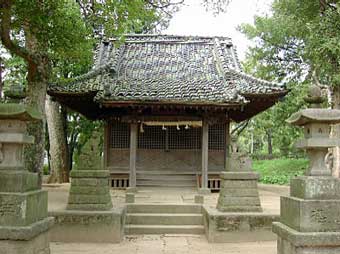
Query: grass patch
(279, 171)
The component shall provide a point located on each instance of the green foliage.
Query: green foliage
(15, 70)
(298, 44)
(46, 170)
(280, 171)
(113, 18)
(301, 37)
(273, 122)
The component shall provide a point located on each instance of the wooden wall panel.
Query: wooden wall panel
(187, 160)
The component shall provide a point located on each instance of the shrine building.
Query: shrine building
(167, 102)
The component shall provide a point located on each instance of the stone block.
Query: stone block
(88, 226)
(199, 199)
(315, 187)
(25, 233)
(131, 190)
(246, 192)
(20, 209)
(240, 184)
(240, 201)
(18, 181)
(311, 215)
(89, 190)
(89, 199)
(89, 207)
(37, 245)
(79, 173)
(129, 198)
(239, 176)
(90, 181)
(236, 208)
(291, 241)
(222, 227)
(239, 192)
(204, 191)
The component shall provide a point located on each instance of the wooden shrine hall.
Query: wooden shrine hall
(167, 102)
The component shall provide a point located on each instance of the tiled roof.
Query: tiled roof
(165, 68)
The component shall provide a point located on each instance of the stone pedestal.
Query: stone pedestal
(238, 191)
(24, 223)
(90, 189)
(89, 215)
(204, 191)
(310, 217)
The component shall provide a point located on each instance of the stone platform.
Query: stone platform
(258, 226)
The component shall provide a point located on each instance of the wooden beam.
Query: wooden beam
(133, 154)
(205, 140)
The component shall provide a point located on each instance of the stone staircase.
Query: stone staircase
(164, 219)
(166, 179)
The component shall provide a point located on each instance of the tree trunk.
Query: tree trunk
(71, 147)
(66, 153)
(58, 146)
(34, 153)
(336, 133)
(35, 54)
(1, 82)
(269, 142)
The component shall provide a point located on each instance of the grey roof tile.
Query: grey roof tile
(167, 68)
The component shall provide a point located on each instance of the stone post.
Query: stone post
(238, 191)
(309, 219)
(24, 223)
(89, 180)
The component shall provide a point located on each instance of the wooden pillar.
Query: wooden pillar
(107, 135)
(133, 154)
(227, 147)
(205, 139)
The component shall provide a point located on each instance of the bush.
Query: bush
(45, 170)
(279, 171)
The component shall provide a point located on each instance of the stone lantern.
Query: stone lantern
(309, 220)
(316, 123)
(23, 205)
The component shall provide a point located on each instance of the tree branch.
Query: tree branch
(5, 32)
(239, 128)
(165, 5)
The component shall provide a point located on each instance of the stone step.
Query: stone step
(164, 219)
(166, 183)
(164, 229)
(167, 172)
(166, 177)
(164, 208)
